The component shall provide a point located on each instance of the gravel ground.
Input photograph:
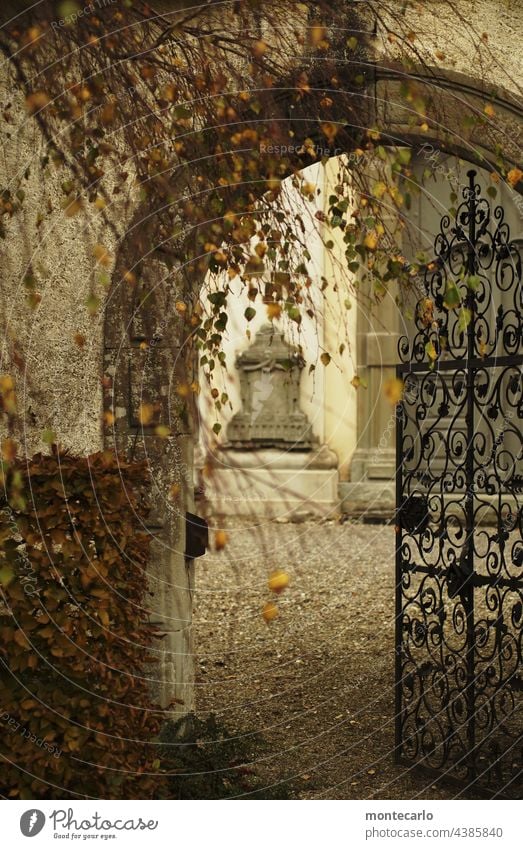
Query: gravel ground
(317, 682)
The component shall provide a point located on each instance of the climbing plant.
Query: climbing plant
(76, 709)
(204, 111)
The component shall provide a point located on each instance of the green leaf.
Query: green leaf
(217, 298)
(249, 313)
(430, 350)
(6, 576)
(465, 317)
(182, 112)
(473, 282)
(452, 297)
(92, 303)
(293, 313)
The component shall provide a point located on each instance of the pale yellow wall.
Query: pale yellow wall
(339, 327)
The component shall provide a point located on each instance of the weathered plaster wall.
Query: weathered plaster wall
(472, 37)
(59, 384)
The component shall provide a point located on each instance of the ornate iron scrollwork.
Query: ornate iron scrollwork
(414, 514)
(459, 554)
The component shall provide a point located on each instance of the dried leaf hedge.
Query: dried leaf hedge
(75, 711)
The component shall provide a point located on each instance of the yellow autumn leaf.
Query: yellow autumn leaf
(8, 450)
(72, 207)
(489, 110)
(329, 130)
(36, 101)
(170, 92)
(162, 431)
(6, 383)
(308, 188)
(393, 390)
(145, 414)
(358, 381)
(221, 538)
(270, 612)
(102, 255)
(317, 33)
(278, 581)
(430, 350)
(371, 241)
(273, 311)
(174, 491)
(514, 177)
(379, 189)
(259, 48)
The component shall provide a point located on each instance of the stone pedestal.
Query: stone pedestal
(269, 482)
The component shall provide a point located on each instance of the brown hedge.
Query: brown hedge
(75, 707)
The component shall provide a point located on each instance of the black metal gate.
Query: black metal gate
(459, 553)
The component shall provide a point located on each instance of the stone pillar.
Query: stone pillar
(370, 493)
(144, 373)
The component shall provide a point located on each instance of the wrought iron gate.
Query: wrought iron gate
(459, 552)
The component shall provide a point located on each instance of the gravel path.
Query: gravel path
(317, 682)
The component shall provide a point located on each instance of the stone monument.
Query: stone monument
(272, 463)
(270, 375)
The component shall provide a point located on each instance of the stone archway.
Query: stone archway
(143, 361)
